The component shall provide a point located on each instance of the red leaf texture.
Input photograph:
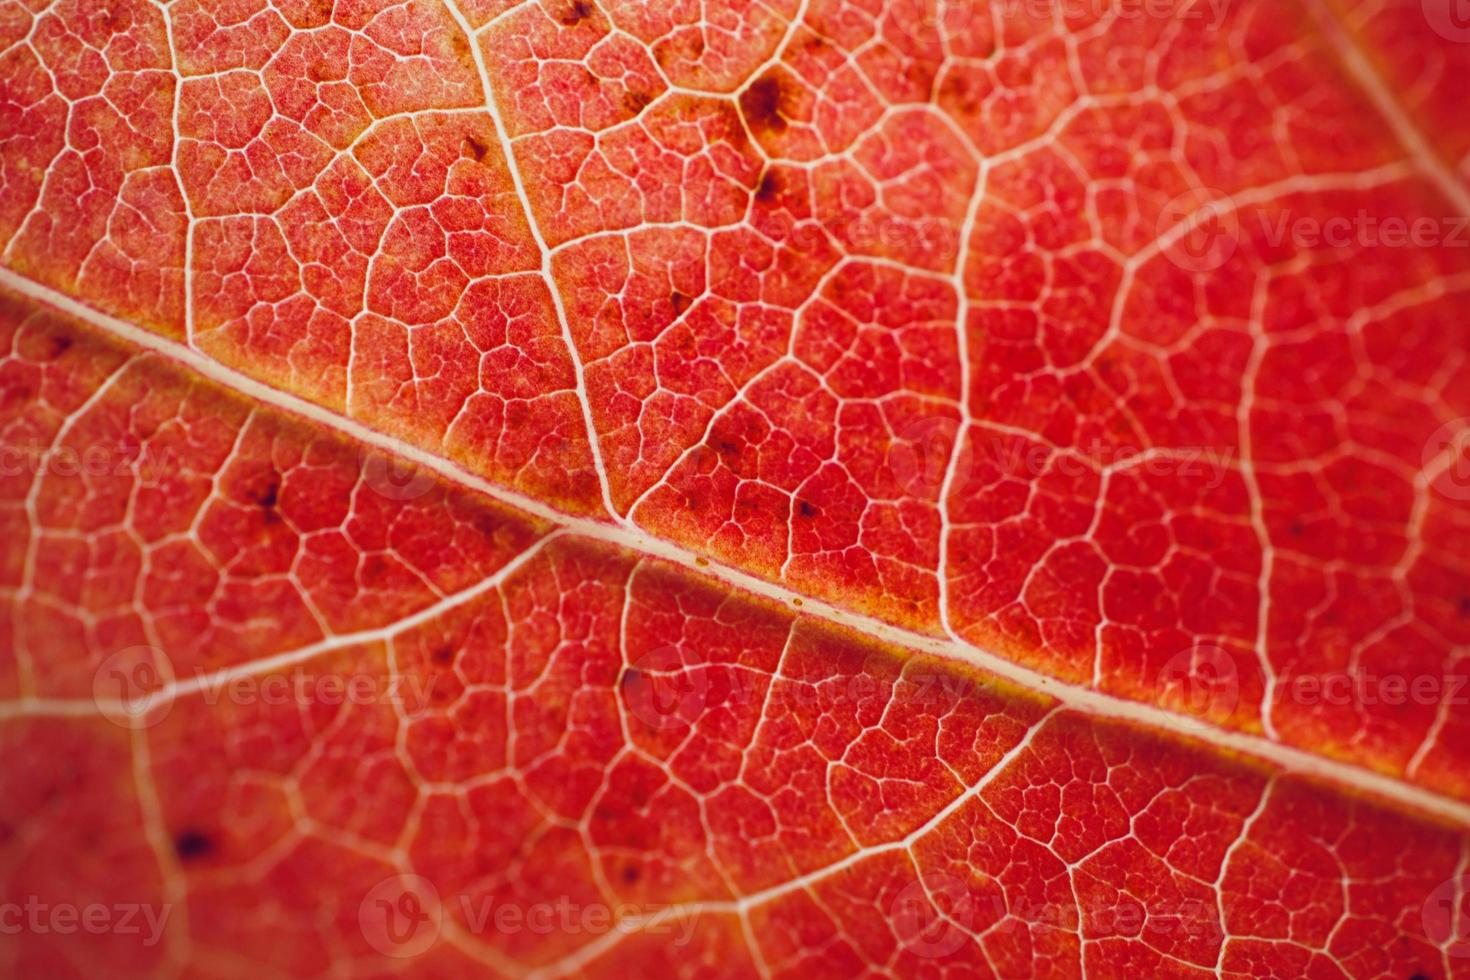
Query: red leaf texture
(801, 488)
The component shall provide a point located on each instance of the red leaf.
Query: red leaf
(825, 488)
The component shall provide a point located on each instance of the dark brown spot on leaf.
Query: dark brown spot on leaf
(51, 347)
(270, 493)
(761, 104)
(190, 845)
(576, 12)
(635, 102)
(769, 187)
(475, 148)
(680, 302)
(957, 90)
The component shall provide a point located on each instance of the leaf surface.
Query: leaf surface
(800, 488)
